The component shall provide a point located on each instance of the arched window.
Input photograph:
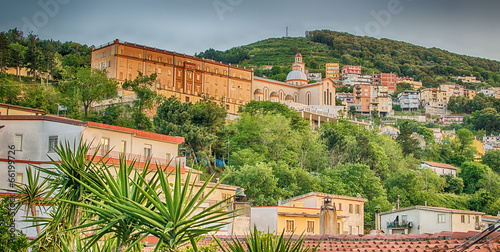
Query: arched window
(150, 57)
(216, 70)
(159, 58)
(308, 98)
(266, 94)
(208, 69)
(198, 67)
(295, 98)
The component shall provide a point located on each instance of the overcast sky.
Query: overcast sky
(189, 26)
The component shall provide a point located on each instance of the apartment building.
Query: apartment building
(346, 98)
(426, 219)
(434, 100)
(332, 70)
(409, 100)
(386, 80)
(179, 75)
(349, 69)
(468, 79)
(416, 85)
(370, 97)
(34, 138)
(490, 92)
(352, 207)
(352, 79)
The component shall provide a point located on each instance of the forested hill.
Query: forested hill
(430, 65)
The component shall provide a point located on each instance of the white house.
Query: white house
(439, 168)
(426, 219)
(31, 139)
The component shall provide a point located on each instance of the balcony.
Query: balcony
(136, 157)
(402, 225)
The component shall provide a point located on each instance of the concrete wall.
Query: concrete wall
(425, 221)
(264, 218)
(469, 222)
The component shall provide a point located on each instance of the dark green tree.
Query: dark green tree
(4, 51)
(492, 159)
(409, 144)
(146, 97)
(87, 86)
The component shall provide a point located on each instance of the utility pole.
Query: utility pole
(286, 32)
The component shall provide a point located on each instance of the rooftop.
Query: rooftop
(137, 133)
(446, 166)
(434, 209)
(444, 241)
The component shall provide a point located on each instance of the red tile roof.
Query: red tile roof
(138, 133)
(447, 166)
(444, 241)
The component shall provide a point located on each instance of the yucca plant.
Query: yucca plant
(107, 194)
(31, 194)
(267, 242)
(137, 203)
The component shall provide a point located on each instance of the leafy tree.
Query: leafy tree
(407, 142)
(200, 124)
(492, 159)
(17, 52)
(89, 86)
(463, 143)
(33, 56)
(4, 51)
(472, 173)
(10, 90)
(453, 184)
(260, 181)
(145, 98)
(254, 107)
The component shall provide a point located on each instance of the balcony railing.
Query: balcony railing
(137, 157)
(397, 225)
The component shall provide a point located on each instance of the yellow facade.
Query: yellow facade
(332, 70)
(178, 75)
(291, 219)
(7, 109)
(352, 208)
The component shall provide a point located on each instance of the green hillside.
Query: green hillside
(430, 65)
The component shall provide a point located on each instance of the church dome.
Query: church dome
(296, 75)
(298, 55)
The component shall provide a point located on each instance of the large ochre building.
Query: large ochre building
(179, 75)
(190, 78)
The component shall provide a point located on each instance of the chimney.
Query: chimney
(328, 218)
(397, 203)
(377, 218)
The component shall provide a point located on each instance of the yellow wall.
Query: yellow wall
(6, 109)
(300, 222)
(178, 75)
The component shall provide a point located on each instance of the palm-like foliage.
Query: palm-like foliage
(257, 242)
(32, 193)
(131, 205)
(106, 194)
